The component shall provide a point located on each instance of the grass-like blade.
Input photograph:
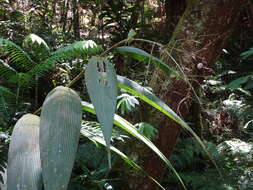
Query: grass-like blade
(59, 135)
(148, 97)
(128, 127)
(24, 168)
(97, 139)
(141, 55)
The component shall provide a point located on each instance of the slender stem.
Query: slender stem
(72, 82)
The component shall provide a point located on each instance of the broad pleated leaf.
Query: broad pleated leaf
(94, 138)
(24, 169)
(141, 55)
(59, 135)
(129, 128)
(148, 97)
(101, 82)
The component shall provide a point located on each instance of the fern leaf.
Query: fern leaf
(75, 50)
(7, 102)
(6, 71)
(36, 46)
(17, 56)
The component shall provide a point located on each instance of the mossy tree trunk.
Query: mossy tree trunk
(196, 43)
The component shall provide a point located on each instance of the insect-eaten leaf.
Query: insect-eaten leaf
(24, 168)
(59, 135)
(101, 82)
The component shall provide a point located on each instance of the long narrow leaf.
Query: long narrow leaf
(128, 127)
(102, 89)
(148, 97)
(59, 135)
(99, 140)
(24, 169)
(141, 55)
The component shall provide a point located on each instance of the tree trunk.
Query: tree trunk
(197, 42)
(76, 24)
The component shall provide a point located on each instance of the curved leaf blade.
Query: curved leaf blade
(148, 97)
(141, 55)
(101, 83)
(128, 127)
(59, 135)
(24, 168)
(95, 138)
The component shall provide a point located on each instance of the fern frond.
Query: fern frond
(17, 56)
(7, 101)
(79, 49)
(36, 46)
(6, 71)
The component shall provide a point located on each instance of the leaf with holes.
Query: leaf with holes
(24, 169)
(101, 81)
(59, 135)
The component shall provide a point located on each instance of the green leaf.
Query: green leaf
(98, 139)
(24, 169)
(101, 82)
(247, 54)
(78, 49)
(59, 135)
(143, 56)
(239, 81)
(16, 54)
(148, 97)
(6, 71)
(129, 128)
(146, 129)
(131, 35)
(36, 46)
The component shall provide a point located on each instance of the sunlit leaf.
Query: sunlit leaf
(129, 128)
(148, 97)
(98, 139)
(24, 168)
(101, 82)
(59, 135)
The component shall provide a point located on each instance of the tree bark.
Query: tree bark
(76, 23)
(196, 43)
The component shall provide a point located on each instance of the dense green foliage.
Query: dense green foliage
(44, 44)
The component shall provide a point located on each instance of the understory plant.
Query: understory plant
(55, 134)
